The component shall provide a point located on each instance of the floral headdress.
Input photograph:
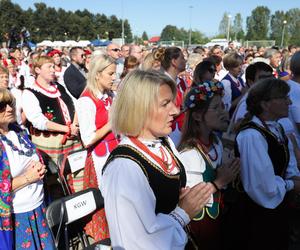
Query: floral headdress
(202, 93)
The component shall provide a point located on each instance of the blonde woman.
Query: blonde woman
(143, 183)
(93, 106)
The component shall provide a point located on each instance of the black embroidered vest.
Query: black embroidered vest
(50, 107)
(166, 187)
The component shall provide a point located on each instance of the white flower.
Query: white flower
(192, 97)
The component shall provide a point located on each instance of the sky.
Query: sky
(153, 15)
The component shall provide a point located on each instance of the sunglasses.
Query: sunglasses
(4, 104)
(116, 50)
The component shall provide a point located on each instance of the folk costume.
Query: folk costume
(93, 115)
(149, 202)
(22, 221)
(201, 166)
(258, 217)
(232, 89)
(42, 105)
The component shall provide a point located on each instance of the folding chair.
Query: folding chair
(69, 164)
(61, 213)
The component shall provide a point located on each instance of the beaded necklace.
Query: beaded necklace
(31, 148)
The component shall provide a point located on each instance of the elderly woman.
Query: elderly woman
(268, 171)
(22, 221)
(149, 207)
(96, 134)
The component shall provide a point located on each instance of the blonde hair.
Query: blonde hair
(40, 61)
(7, 97)
(148, 62)
(98, 64)
(136, 96)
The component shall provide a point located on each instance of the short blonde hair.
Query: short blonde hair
(136, 97)
(98, 64)
(39, 61)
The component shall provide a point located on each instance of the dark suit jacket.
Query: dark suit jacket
(74, 80)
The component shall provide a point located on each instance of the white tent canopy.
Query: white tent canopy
(45, 43)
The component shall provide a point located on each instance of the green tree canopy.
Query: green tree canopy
(258, 23)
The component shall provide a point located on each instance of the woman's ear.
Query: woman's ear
(37, 70)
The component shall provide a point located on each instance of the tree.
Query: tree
(277, 26)
(223, 27)
(293, 26)
(258, 23)
(145, 36)
(237, 28)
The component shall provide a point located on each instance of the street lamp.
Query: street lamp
(122, 10)
(228, 27)
(283, 30)
(190, 31)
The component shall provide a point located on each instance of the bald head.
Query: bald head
(295, 64)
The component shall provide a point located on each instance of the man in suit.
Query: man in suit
(75, 74)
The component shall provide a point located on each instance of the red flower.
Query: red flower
(32, 217)
(26, 244)
(6, 222)
(49, 115)
(44, 235)
(5, 173)
(44, 223)
(28, 230)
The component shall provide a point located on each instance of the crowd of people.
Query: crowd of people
(191, 148)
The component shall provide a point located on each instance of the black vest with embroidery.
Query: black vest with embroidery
(51, 107)
(166, 187)
(277, 151)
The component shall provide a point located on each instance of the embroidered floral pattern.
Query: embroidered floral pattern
(49, 114)
(203, 92)
(5, 192)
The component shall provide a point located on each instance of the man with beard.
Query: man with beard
(75, 74)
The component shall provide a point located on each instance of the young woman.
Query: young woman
(146, 204)
(23, 222)
(201, 152)
(96, 134)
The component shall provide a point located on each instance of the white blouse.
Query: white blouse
(31, 196)
(130, 209)
(257, 173)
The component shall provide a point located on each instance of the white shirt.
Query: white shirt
(294, 108)
(228, 91)
(257, 173)
(86, 111)
(32, 108)
(30, 196)
(130, 209)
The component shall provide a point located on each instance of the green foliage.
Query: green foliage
(293, 26)
(57, 24)
(172, 33)
(258, 24)
(145, 36)
(223, 27)
(278, 26)
(237, 29)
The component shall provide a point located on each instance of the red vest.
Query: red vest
(181, 88)
(109, 141)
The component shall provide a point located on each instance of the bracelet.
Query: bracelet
(215, 185)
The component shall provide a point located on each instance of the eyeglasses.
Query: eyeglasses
(116, 50)
(3, 105)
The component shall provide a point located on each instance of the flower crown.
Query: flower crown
(203, 92)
